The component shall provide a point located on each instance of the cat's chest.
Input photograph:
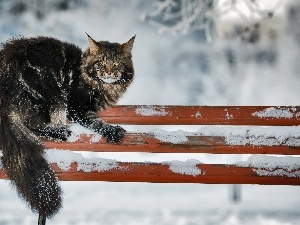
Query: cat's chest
(108, 95)
(104, 96)
(113, 91)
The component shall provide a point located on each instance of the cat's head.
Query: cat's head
(107, 62)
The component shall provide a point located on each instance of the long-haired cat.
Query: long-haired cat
(44, 83)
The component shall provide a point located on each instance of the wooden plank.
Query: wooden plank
(161, 173)
(146, 142)
(203, 115)
(2, 174)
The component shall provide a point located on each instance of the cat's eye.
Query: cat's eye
(97, 65)
(100, 63)
(115, 64)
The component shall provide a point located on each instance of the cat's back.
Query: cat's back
(38, 52)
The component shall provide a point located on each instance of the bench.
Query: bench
(270, 134)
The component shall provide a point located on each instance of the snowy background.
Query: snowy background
(214, 66)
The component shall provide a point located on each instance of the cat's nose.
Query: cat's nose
(108, 70)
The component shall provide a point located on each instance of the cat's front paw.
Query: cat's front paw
(113, 133)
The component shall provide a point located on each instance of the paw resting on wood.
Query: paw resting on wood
(113, 133)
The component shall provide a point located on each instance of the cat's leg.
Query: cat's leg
(91, 120)
(57, 128)
(50, 131)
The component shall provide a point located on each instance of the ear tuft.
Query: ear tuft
(127, 47)
(94, 48)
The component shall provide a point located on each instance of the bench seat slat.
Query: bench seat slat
(146, 142)
(202, 115)
(161, 173)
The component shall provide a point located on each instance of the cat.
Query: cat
(44, 83)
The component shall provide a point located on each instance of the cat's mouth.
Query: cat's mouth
(109, 78)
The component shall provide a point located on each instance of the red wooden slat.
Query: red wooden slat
(146, 142)
(204, 115)
(2, 174)
(160, 173)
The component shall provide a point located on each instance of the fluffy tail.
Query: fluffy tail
(26, 167)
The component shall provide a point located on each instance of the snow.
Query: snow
(198, 115)
(174, 137)
(276, 113)
(78, 130)
(265, 165)
(228, 116)
(267, 136)
(234, 135)
(64, 159)
(188, 167)
(151, 111)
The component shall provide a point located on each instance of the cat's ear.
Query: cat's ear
(94, 48)
(127, 47)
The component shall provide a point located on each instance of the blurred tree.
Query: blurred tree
(39, 8)
(186, 16)
(294, 20)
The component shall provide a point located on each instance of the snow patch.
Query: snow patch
(64, 159)
(198, 115)
(188, 167)
(77, 130)
(276, 113)
(266, 136)
(256, 136)
(174, 137)
(228, 116)
(151, 111)
(264, 165)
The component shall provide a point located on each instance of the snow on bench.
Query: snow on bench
(271, 134)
